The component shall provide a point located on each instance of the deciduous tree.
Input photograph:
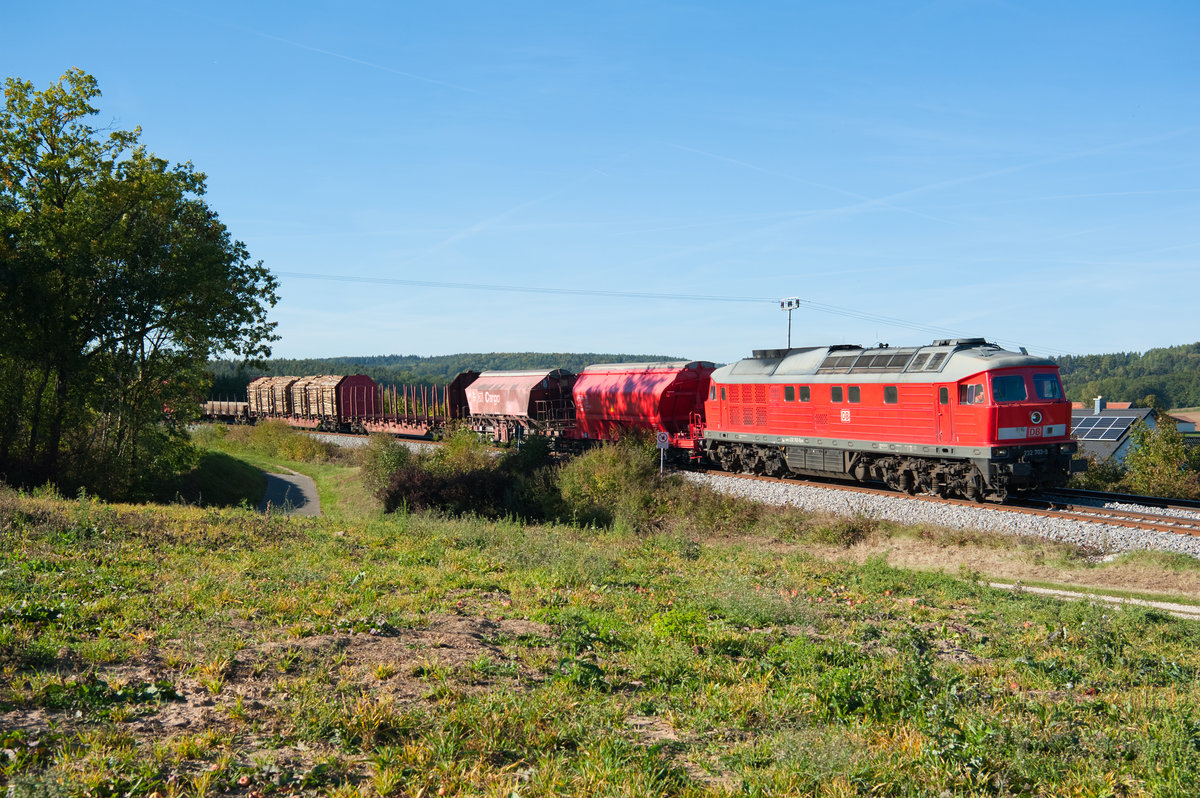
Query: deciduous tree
(1159, 463)
(119, 282)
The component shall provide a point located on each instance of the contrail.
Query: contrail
(380, 67)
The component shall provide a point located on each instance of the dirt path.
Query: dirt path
(1187, 611)
(291, 494)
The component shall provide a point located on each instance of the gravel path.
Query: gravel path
(291, 494)
(1103, 537)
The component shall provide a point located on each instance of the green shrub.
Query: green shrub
(273, 439)
(379, 459)
(416, 486)
(614, 484)
(463, 451)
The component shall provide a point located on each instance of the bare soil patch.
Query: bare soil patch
(254, 685)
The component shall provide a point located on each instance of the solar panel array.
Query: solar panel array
(1102, 428)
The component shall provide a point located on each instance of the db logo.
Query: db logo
(1035, 417)
(845, 416)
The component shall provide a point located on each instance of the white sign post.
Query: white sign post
(664, 440)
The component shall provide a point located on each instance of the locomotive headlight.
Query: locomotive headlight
(1035, 417)
(1002, 453)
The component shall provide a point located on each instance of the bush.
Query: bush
(273, 439)
(614, 484)
(416, 486)
(379, 459)
(1160, 464)
(1100, 475)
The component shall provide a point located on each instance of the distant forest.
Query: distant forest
(230, 378)
(1166, 377)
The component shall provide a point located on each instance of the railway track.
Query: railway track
(1057, 505)
(1103, 497)
(1179, 517)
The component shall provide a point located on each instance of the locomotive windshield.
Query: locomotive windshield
(1008, 388)
(1047, 386)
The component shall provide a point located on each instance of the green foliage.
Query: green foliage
(1100, 475)
(118, 283)
(379, 459)
(1168, 377)
(1160, 464)
(271, 439)
(612, 484)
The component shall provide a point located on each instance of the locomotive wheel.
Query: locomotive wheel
(975, 487)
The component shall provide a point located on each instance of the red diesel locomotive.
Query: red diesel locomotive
(961, 417)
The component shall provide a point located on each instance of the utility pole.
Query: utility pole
(789, 304)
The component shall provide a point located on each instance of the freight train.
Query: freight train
(960, 417)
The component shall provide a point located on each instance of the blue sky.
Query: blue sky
(665, 173)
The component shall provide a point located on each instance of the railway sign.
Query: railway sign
(663, 440)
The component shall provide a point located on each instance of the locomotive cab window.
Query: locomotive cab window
(944, 395)
(970, 394)
(1009, 388)
(722, 393)
(835, 394)
(890, 395)
(789, 393)
(855, 393)
(805, 393)
(1047, 386)
(712, 392)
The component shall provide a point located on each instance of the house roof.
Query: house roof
(1103, 434)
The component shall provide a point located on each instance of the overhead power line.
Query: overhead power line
(605, 292)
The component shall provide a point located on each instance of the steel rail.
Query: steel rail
(1082, 513)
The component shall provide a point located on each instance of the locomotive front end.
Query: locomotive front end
(1029, 423)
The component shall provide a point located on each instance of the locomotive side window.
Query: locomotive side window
(712, 392)
(855, 393)
(1009, 388)
(1047, 386)
(805, 393)
(890, 395)
(789, 393)
(970, 394)
(722, 393)
(944, 395)
(835, 394)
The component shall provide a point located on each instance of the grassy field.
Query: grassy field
(189, 651)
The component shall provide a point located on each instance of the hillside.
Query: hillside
(1171, 375)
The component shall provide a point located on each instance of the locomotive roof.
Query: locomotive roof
(943, 361)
